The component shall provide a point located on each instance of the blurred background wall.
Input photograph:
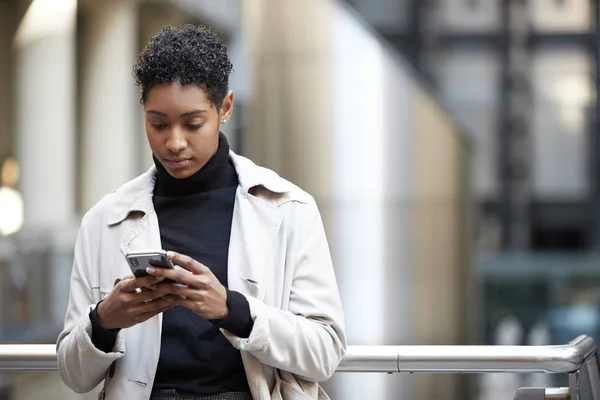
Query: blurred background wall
(451, 146)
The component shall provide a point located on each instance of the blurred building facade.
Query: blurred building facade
(71, 131)
(391, 125)
(387, 165)
(338, 112)
(522, 76)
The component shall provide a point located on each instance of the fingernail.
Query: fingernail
(160, 278)
(170, 254)
(150, 270)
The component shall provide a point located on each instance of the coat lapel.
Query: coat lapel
(137, 217)
(145, 234)
(254, 232)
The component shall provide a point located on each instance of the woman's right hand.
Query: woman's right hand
(126, 306)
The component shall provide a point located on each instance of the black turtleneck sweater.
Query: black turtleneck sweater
(194, 216)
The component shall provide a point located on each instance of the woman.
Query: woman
(256, 313)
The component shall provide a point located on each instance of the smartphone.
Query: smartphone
(139, 260)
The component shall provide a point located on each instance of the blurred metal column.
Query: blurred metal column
(596, 154)
(110, 104)
(514, 139)
(45, 111)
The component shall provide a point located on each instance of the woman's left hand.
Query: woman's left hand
(198, 289)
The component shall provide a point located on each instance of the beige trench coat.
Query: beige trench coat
(278, 258)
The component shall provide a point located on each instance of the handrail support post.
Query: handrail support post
(574, 385)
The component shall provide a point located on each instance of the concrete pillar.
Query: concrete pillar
(338, 113)
(153, 17)
(44, 76)
(110, 108)
(44, 81)
(6, 33)
(314, 120)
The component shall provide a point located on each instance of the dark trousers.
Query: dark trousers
(171, 394)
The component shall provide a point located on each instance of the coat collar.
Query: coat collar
(136, 195)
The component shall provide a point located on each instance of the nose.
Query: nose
(176, 140)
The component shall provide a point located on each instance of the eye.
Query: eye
(159, 126)
(194, 127)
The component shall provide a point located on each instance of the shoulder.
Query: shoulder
(267, 185)
(113, 207)
(293, 196)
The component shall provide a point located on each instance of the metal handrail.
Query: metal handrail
(578, 355)
(567, 358)
(28, 357)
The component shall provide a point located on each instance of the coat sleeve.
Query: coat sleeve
(82, 366)
(308, 339)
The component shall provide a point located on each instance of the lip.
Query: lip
(177, 163)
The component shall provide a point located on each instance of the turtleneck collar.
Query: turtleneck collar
(217, 173)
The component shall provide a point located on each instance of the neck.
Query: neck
(217, 173)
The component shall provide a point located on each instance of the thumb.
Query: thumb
(128, 277)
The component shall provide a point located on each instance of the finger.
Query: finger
(130, 285)
(144, 316)
(183, 270)
(124, 278)
(179, 290)
(157, 304)
(148, 307)
(177, 274)
(175, 299)
(166, 307)
(187, 262)
(146, 295)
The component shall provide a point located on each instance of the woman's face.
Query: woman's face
(182, 126)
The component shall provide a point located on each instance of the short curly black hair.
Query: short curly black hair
(192, 54)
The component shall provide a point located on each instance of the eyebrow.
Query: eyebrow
(186, 114)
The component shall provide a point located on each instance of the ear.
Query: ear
(226, 107)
